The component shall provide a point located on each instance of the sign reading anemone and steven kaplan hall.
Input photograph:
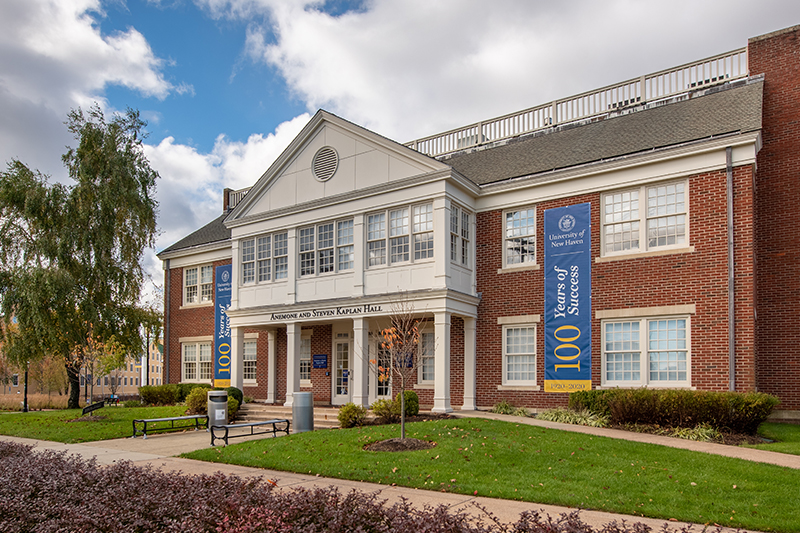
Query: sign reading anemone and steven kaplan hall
(567, 299)
(222, 326)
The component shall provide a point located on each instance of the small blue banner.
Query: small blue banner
(222, 326)
(320, 360)
(567, 299)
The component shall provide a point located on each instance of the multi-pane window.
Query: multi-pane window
(660, 359)
(519, 355)
(198, 284)
(405, 225)
(197, 362)
(318, 256)
(459, 235)
(344, 244)
(264, 258)
(631, 226)
(305, 358)
(520, 239)
(426, 356)
(249, 361)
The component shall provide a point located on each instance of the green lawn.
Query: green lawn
(786, 437)
(56, 425)
(521, 462)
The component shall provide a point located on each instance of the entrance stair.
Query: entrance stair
(325, 417)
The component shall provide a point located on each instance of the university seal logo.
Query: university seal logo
(566, 223)
(225, 276)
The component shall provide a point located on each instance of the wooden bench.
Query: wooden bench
(252, 425)
(198, 420)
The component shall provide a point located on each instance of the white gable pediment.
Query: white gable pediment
(363, 160)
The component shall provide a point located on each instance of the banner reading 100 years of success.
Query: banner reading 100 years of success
(567, 299)
(222, 327)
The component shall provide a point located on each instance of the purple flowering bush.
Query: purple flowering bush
(46, 491)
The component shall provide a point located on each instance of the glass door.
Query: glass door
(341, 372)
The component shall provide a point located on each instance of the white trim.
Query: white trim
(640, 255)
(519, 383)
(642, 312)
(202, 338)
(504, 248)
(520, 319)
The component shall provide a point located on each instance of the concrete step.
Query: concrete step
(324, 417)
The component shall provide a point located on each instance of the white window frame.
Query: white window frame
(643, 216)
(325, 245)
(198, 285)
(400, 235)
(305, 359)
(264, 258)
(644, 350)
(426, 374)
(250, 362)
(198, 348)
(532, 354)
(460, 231)
(516, 231)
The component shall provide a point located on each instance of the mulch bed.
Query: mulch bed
(399, 445)
(727, 438)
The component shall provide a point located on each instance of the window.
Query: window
(519, 355)
(197, 362)
(249, 356)
(459, 235)
(629, 226)
(520, 239)
(426, 357)
(332, 249)
(126, 381)
(305, 357)
(405, 226)
(264, 258)
(198, 284)
(646, 352)
(15, 380)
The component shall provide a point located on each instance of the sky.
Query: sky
(225, 85)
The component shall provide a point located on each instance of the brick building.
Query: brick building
(690, 179)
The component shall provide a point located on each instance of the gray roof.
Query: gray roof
(212, 232)
(720, 111)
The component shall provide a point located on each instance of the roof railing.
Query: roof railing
(648, 88)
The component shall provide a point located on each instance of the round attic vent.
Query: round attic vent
(325, 163)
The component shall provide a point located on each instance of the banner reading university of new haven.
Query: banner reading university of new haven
(222, 327)
(567, 299)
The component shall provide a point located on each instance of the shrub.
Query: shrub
(52, 491)
(732, 411)
(233, 408)
(197, 401)
(131, 403)
(247, 399)
(412, 402)
(521, 411)
(351, 415)
(502, 408)
(184, 389)
(233, 392)
(568, 416)
(159, 394)
(387, 411)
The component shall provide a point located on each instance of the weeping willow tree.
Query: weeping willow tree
(70, 255)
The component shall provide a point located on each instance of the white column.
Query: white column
(360, 361)
(441, 242)
(441, 369)
(292, 362)
(237, 357)
(469, 364)
(272, 365)
(292, 267)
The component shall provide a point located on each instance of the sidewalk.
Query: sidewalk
(160, 451)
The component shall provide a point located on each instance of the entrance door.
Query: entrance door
(341, 372)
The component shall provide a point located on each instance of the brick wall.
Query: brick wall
(777, 56)
(698, 278)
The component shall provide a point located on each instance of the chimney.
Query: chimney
(226, 195)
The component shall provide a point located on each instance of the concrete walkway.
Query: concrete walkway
(161, 450)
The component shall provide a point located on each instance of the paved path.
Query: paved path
(161, 450)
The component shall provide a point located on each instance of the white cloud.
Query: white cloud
(416, 67)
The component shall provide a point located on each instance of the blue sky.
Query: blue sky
(226, 84)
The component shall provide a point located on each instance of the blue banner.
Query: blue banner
(222, 327)
(567, 299)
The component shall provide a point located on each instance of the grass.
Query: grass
(528, 463)
(56, 425)
(786, 437)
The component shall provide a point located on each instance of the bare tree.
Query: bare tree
(401, 341)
